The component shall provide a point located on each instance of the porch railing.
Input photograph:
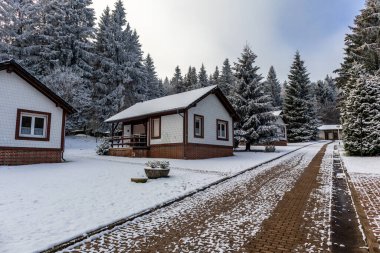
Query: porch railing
(126, 141)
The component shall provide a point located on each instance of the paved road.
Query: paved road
(229, 217)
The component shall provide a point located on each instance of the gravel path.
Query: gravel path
(224, 218)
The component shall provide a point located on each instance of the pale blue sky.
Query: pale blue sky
(192, 32)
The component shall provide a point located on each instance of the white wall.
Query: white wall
(171, 130)
(15, 93)
(212, 109)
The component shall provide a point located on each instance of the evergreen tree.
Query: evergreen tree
(298, 105)
(187, 81)
(226, 80)
(214, 78)
(362, 60)
(167, 86)
(193, 77)
(273, 88)
(154, 88)
(252, 104)
(361, 128)
(202, 78)
(177, 81)
(17, 21)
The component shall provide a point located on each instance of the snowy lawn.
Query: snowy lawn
(82, 147)
(42, 205)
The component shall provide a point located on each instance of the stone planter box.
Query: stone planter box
(153, 173)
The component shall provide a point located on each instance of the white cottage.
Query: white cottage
(191, 125)
(32, 118)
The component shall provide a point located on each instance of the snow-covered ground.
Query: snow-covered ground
(84, 147)
(45, 204)
(357, 164)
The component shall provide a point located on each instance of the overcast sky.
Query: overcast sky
(192, 32)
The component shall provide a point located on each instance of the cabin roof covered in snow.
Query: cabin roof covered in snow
(330, 127)
(171, 103)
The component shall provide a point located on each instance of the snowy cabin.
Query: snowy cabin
(196, 124)
(32, 118)
(330, 132)
(281, 129)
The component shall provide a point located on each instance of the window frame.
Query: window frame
(33, 114)
(202, 135)
(152, 128)
(218, 121)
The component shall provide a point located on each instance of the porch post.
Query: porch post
(112, 134)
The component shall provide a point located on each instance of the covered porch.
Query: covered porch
(130, 138)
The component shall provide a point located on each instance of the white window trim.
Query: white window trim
(221, 137)
(33, 116)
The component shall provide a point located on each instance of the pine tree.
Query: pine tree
(361, 128)
(17, 21)
(298, 105)
(226, 80)
(154, 90)
(214, 78)
(273, 88)
(253, 106)
(362, 59)
(202, 77)
(187, 81)
(177, 81)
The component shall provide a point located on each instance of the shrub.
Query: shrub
(103, 147)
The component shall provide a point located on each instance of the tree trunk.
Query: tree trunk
(247, 146)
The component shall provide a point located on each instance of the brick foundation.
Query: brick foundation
(202, 151)
(129, 152)
(176, 151)
(22, 156)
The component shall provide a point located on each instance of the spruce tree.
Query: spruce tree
(17, 21)
(298, 105)
(252, 104)
(187, 81)
(226, 81)
(177, 81)
(361, 128)
(362, 58)
(154, 90)
(273, 88)
(202, 77)
(214, 78)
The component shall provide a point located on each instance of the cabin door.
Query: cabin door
(127, 131)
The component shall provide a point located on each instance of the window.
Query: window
(32, 125)
(222, 130)
(156, 128)
(198, 126)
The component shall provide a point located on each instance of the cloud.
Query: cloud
(192, 32)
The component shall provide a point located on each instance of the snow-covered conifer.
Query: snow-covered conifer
(273, 88)
(202, 77)
(298, 106)
(252, 104)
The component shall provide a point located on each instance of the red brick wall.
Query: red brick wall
(174, 151)
(202, 151)
(29, 156)
(128, 152)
